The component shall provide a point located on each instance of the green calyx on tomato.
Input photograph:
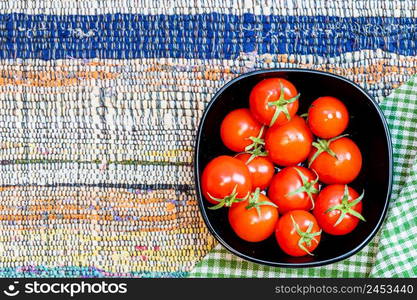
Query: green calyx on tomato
(228, 200)
(346, 207)
(323, 145)
(255, 203)
(305, 236)
(255, 149)
(307, 187)
(281, 105)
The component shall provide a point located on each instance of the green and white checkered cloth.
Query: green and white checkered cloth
(393, 252)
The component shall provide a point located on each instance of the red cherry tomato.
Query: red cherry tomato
(327, 117)
(237, 128)
(260, 168)
(224, 180)
(273, 101)
(298, 233)
(293, 188)
(289, 144)
(343, 167)
(254, 220)
(338, 209)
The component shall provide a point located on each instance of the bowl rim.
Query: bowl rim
(200, 197)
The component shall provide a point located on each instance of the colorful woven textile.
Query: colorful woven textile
(99, 105)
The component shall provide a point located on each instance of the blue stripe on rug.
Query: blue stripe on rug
(78, 272)
(203, 36)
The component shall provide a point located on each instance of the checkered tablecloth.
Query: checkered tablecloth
(393, 252)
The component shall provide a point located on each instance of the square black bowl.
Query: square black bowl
(367, 127)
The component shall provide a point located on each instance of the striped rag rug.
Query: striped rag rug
(100, 101)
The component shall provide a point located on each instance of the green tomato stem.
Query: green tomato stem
(307, 187)
(255, 203)
(306, 237)
(228, 200)
(281, 105)
(323, 145)
(346, 207)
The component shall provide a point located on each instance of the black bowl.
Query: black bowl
(367, 127)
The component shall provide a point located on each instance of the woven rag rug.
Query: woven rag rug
(99, 105)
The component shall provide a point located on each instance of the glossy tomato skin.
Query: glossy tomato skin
(221, 175)
(287, 181)
(329, 197)
(237, 127)
(327, 117)
(248, 225)
(260, 168)
(287, 237)
(342, 170)
(269, 90)
(289, 144)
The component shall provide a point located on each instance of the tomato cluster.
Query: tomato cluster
(289, 175)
